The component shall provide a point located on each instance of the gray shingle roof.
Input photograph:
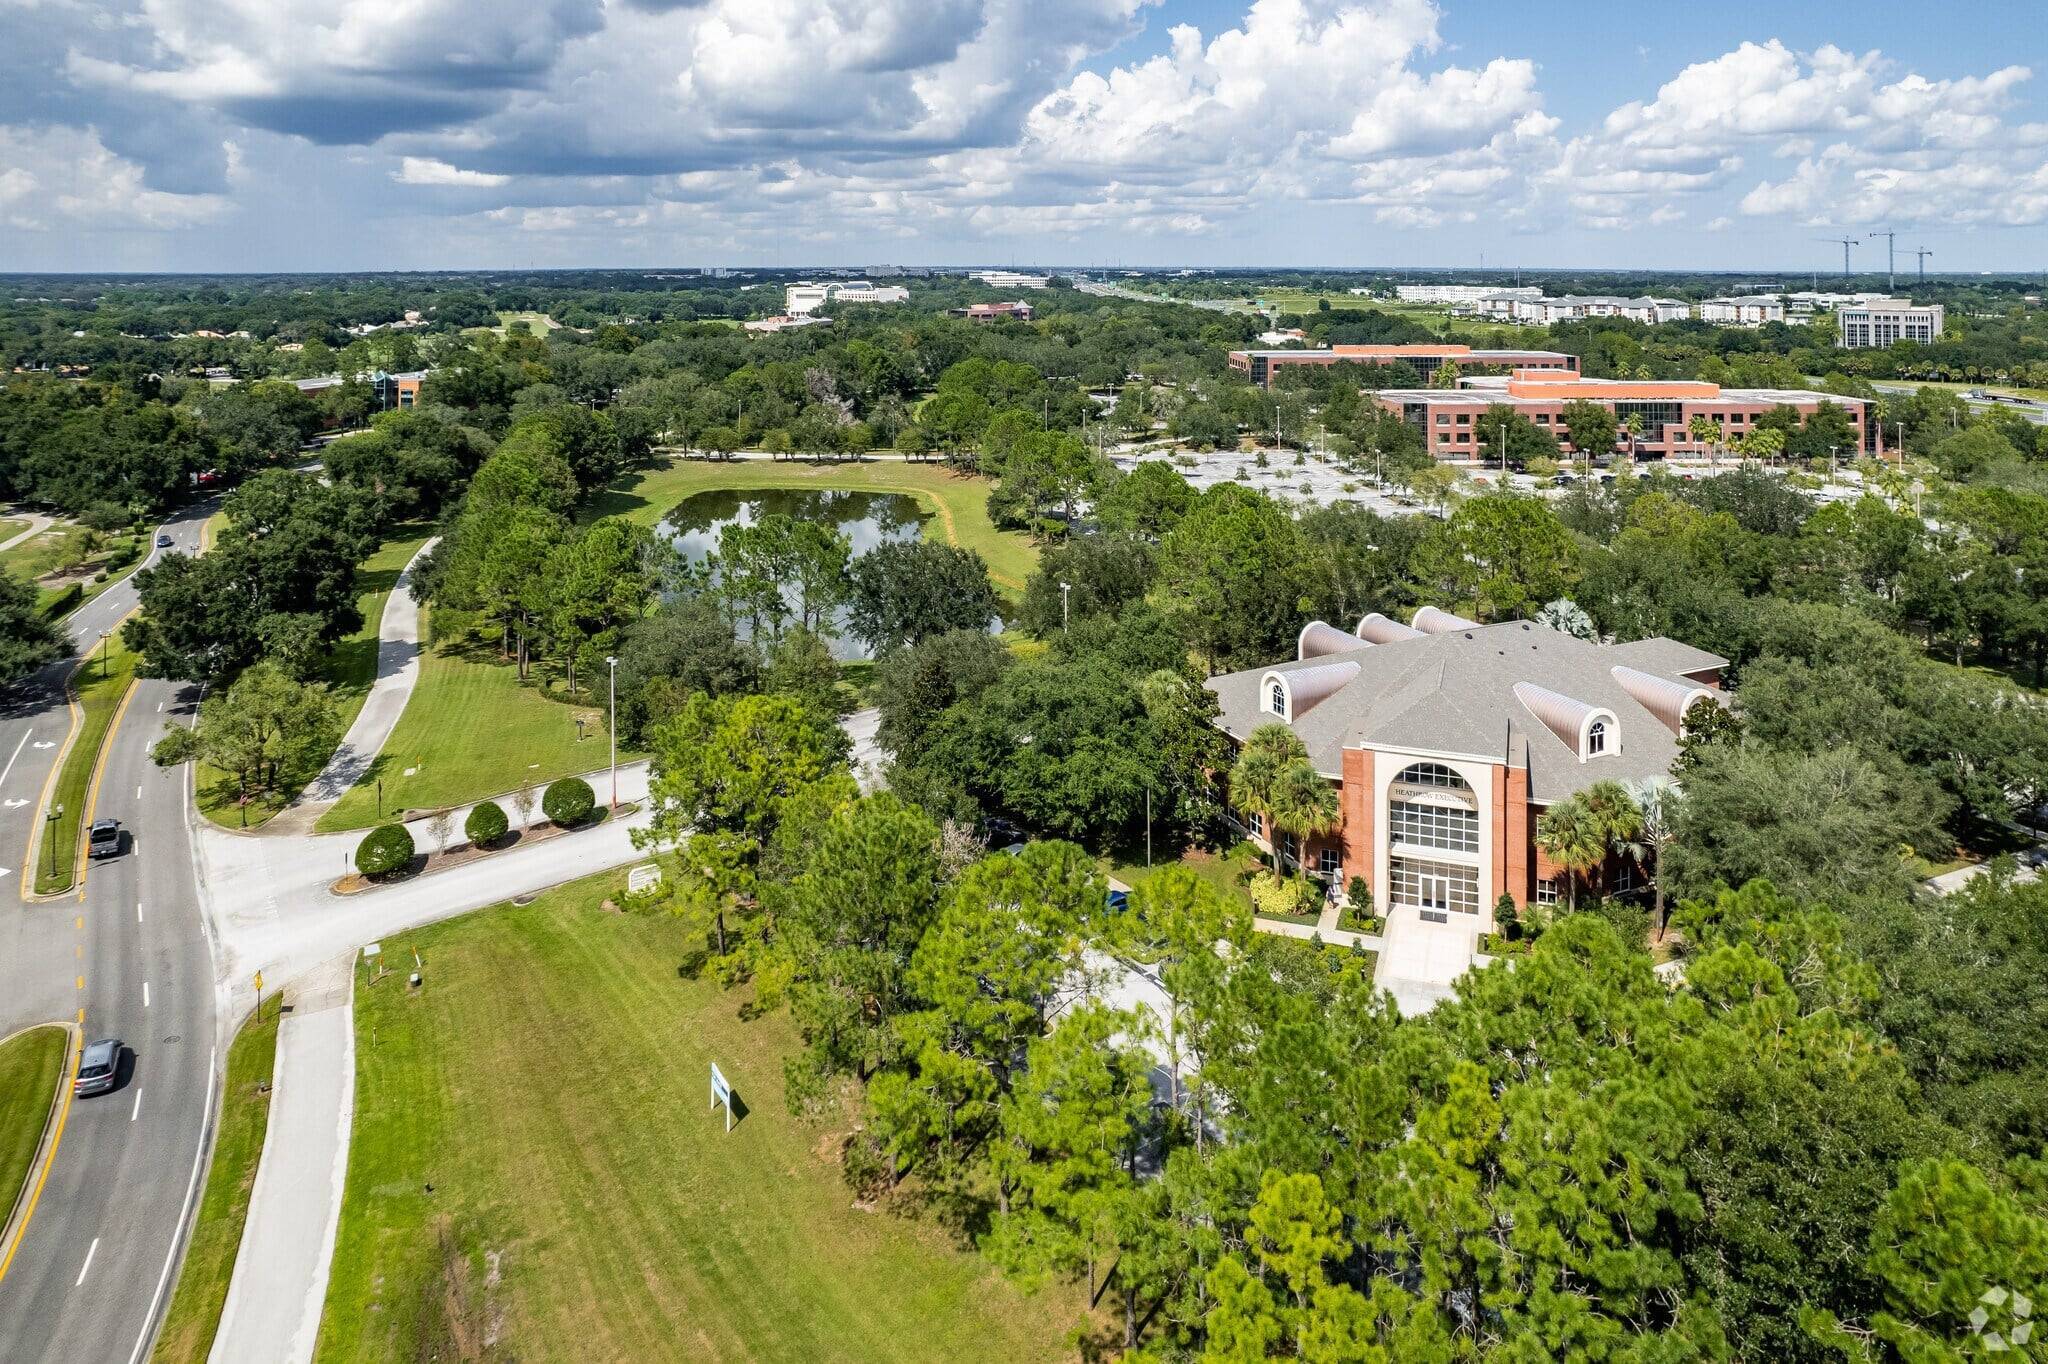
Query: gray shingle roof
(1454, 693)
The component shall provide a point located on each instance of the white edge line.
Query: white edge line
(137, 1111)
(145, 994)
(138, 911)
(86, 1268)
(184, 1217)
(25, 735)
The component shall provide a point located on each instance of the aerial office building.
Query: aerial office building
(1425, 358)
(1450, 419)
(1881, 321)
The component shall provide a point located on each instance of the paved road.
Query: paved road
(37, 524)
(129, 950)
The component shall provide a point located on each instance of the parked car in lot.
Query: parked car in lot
(98, 1068)
(104, 840)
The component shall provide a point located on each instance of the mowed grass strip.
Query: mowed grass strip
(194, 1315)
(535, 1164)
(31, 1063)
(99, 684)
(958, 502)
(472, 729)
(349, 671)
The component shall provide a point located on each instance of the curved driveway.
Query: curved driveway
(128, 951)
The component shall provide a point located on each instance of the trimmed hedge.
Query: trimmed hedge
(486, 824)
(568, 801)
(64, 601)
(385, 849)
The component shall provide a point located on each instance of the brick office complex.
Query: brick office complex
(1450, 418)
(1424, 359)
(1446, 740)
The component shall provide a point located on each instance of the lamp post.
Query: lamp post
(1831, 464)
(105, 635)
(50, 834)
(1064, 589)
(613, 728)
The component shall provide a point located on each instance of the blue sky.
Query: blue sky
(340, 134)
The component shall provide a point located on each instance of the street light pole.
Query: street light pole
(1064, 589)
(105, 635)
(613, 727)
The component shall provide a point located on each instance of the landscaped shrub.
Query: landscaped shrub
(486, 824)
(1282, 894)
(568, 801)
(385, 849)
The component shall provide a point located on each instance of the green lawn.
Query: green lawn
(100, 683)
(30, 1064)
(535, 1172)
(471, 730)
(1226, 871)
(350, 669)
(194, 1314)
(959, 502)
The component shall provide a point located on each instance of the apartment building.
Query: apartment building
(1450, 418)
(1446, 740)
(1502, 306)
(1458, 295)
(1425, 358)
(1881, 321)
(1752, 311)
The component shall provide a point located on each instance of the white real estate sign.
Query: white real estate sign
(721, 1093)
(642, 878)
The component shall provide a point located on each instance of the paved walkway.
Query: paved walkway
(398, 669)
(37, 524)
(1421, 962)
(280, 1283)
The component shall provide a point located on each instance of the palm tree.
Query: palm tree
(1705, 431)
(1657, 800)
(1303, 804)
(1620, 822)
(1570, 834)
(1256, 776)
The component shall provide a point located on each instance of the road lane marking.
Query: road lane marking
(184, 1215)
(17, 753)
(159, 708)
(138, 790)
(145, 994)
(81, 982)
(138, 1105)
(138, 911)
(86, 1268)
(80, 923)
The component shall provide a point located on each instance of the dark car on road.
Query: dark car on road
(163, 542)
(104, 840)
(98, 1068)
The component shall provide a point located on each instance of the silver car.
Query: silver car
(98, 1068)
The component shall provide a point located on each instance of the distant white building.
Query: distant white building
(782, 324)
(1881, 321)
(1807, 302)
(1459, 295)
(1518, 306)
(1009, 279)
(1753, 311)
(805, 296)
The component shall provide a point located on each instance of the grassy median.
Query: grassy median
(536, 1174)
(31, 1063)
(100, 683)
(194, 1315)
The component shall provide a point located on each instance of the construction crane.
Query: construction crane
(1923, 253)
(1891, 268)
(1845, 243)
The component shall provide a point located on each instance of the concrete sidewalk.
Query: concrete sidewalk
(280, 1283)
(398, 670)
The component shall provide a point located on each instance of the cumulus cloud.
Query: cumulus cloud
(66, 177)
(744, 122)
(425, 170)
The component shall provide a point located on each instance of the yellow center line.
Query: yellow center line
(50, 1159)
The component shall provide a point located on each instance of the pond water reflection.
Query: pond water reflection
(865, 519)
